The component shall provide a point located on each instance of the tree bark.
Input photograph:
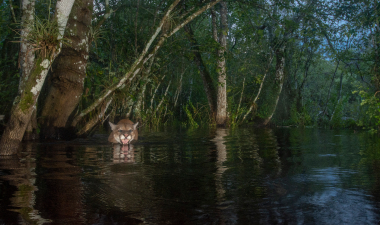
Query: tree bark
(26, 57)
(68, 73)
(221, 112)
(25, 102)
(31, 129)
(95, 119)
(26, 60)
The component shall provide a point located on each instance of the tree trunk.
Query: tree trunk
(306, 73)
(329, 93)
(279, 81)
(138, 109)
(100, 116)
(339, 96)
(26, 57)
(208, 85)
(178, 91)
(221, 112)
(144, 55)
(253, 105)
(25, 102)
(26, 60)
(139, 103)
(154, 93)
(68, 73)
(163, 98)
(31, 129)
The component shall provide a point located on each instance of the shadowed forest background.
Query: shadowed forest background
(190, 63)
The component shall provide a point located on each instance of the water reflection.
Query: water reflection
(226, 211)
(216, 176)
(60, 194)
(20, 173)
(221, 158)
(123, 153)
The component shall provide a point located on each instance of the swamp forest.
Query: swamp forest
(247, 112)
(68, 66)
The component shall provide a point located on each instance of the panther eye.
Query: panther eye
(130, 130)
(120, 131)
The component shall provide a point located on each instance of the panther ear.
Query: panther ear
(135, 125)
(113, 126)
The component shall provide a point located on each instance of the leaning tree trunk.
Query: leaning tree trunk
(138, 107)
(26, 60)
(26, 100)
(68, 73)
(145, 55)
(253, 104)
(277, 86)
(208, 85)
(26, 57)
(100, 116)
(221, 112)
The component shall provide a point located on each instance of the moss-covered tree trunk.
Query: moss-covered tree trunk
(26, 60)
(26, 57)
(221, 112)
(69, 71)
(25, 102)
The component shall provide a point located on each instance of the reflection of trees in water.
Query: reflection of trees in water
(21, 170)
(220, 159)
(60, 185)
(253, 155)
(271, 151)
(369, 164)
(117, 190)
(226, 213)
(246, 150)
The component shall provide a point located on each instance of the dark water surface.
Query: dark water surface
(199, 176)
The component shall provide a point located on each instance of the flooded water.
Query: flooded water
(199, 176)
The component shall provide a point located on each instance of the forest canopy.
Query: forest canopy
(68, 66)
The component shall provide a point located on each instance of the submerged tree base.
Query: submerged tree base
(58, 133)
(10, 147)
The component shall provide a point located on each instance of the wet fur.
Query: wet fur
(123, 129)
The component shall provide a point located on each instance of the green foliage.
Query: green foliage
(8, 91)
(300, 118)
(373, 104)
(337, 119)
(43, 36)
(191, 113)
(311, 88)
(9, 74)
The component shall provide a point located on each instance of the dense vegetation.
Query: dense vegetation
(301, 63)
